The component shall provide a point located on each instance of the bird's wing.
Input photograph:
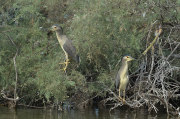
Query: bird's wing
(128, 81)
(71, 50)
(117, 80)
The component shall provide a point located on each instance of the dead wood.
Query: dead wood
(157, 71)
(16, 98)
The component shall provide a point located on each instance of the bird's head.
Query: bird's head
(55, 27)
(127, 58)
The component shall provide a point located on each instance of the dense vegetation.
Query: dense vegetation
(102, 32)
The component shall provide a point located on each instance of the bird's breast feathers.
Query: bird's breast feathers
(124, 81)
(61, 40)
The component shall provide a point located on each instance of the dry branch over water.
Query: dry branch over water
(155, 82)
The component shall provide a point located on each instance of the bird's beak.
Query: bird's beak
(48, 29)
(133, 58)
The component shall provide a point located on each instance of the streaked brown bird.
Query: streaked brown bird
(66, 45)
(122, 79)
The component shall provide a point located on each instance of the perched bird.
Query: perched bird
(122, 79)
(66, 44)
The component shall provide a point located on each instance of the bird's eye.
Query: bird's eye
(127, 57)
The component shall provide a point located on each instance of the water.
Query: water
(90, 113)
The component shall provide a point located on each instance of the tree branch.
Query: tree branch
(14, 60)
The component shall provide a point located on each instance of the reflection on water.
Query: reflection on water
(91, 113)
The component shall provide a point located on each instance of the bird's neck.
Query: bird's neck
(59, 36)
(124, 68)
(59, 32)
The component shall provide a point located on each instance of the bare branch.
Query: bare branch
(14, 59)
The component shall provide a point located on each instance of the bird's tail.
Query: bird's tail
(78, 59)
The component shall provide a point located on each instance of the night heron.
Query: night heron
(122, 79)
(66, 45)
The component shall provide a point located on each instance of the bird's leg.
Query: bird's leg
(66, 64)
(124, 101)
(119, 95)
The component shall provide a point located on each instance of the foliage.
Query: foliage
(101, 30)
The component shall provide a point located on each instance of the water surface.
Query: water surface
(90, 113)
